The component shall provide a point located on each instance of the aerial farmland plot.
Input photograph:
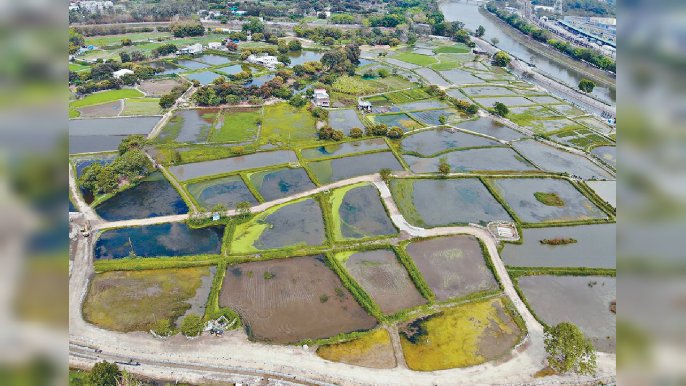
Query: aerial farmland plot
(278, 298)
(305, 252)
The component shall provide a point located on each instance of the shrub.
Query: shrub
(163, 327)
(395, 133)
(378, 130)
(328, 133)
(104, 374)
(500, 109)
(356, 132)
(443, 166)
(192, 325)
(501, 59)
(569, 350)
(385, 174)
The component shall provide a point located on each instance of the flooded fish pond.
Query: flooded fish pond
(471, 160)
(194, 170)
(462, 201)
(229, 191)
(159, 240)
(429, 142)
(279, 183)
(328, 171)
(559, 161)
(188, 126)
(336, 149)
(491, 127)
(360, 213)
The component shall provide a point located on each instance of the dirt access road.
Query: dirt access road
(232, 358)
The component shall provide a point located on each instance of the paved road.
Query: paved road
(232, 358)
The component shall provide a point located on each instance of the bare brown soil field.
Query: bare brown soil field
(289, 300)
(110, 109)
(157, 88)
(384, 279)
(452, 266)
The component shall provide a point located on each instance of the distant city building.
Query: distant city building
(263, 60)
(321, 98)
(91, 6)
(119, 73)
(191, 50)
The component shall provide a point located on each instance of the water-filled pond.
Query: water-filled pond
(422, 105)
(555, 160)
(214, 60)
(509, 101)
(400, 120)
(300, 57)
(443, 202)
(606, 153)
(432, 117)
(234, 69)
(279, 183)
(152, 197)
(520, 195)
(595, 247)
(94, 143)
(226, 190)
(170, 239)
(459, 77)
(488, 90)
(607, 190)
(471, 160)
(227, 165)
(259, 80)
(167, 68)
(344, 120)
(362, 214)
(432, 77)
(434, 141)
(205, 77)
(582, 300)
(491, 127)
(191, 64)
(192, 125)
(338, 149)
(111, 126)
(328, 171)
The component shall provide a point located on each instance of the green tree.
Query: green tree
(480, 31)
(295, 45)
(133, 163)
(163, 327)
(443, 166)
(297, 101)
(442, 119)
(501, 59)
(383, 73)
(385, 174)
(569, 350)
(356, 132)
(135, 141)
(124, 57)
(243, 208)
(104, 374)
(254, 25)
(192, 325)
(89, 177)
(126, 42)
(167, 100)
(107, 180)
(472, 109)
(394, 132)
(500, 109)
(586, 85)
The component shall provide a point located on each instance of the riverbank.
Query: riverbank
(597, 75)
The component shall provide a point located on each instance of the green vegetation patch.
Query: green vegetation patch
(460, 336)
(418, 59)
(550, 199)
(405, 96)
(284, 123)
(454, 49)
(237, 125)
(136, 300)
(106, 96)
(353, 85)
(142, 106)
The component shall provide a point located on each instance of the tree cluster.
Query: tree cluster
(184, 28)
(132, 163)
(168, 100)
(101, 76)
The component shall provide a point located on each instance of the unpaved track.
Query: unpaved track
(232, 358)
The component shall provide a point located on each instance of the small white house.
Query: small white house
(321, 98)
(191, 50)
(263, 60)
(214, 45)
(119, 73)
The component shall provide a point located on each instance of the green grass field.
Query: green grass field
(237, 126)
(283, 123)
(454, 49)
(76, 67)
(418, 59)
(110, 40)
(106, 96)
(142, 106)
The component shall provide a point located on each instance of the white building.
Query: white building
(263, 60)
(119, 73)
(321, 98)
(214, 45)
(94, 6)
(191, 50)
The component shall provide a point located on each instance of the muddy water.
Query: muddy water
(199, 301)
(486, 159)
(298, 223)
(491, 128)
(363, 215)
(434, 141)
(228, 191)
(279, 183)
(595, 247)
(344, 148)
(228, 165)
(582, 300)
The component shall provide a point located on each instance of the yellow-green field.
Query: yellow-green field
(372, 350)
